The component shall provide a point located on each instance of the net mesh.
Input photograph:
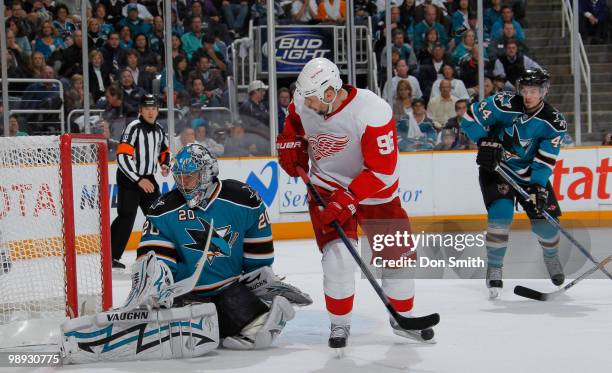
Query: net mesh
(33, 281)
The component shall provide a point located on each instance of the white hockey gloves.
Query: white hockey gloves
(151, 281)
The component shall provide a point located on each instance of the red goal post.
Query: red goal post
(55, 257)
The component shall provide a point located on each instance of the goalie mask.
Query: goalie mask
(195, 172)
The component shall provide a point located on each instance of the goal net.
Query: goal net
(54, 232)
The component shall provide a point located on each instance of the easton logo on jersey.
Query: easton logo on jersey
(325, 145)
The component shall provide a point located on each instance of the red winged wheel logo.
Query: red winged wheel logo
(325, 145)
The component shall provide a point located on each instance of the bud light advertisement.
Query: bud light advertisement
(296, 45)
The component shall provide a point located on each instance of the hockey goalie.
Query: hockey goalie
(203, 276)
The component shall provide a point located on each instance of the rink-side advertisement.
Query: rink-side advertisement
(433, 184)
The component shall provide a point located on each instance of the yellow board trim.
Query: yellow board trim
(51, 247)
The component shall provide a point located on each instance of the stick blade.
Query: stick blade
(529, 293)
(418, 323)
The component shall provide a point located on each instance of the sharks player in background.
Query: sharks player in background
(523, 134)
(251, 304)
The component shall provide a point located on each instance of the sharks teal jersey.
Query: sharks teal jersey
(241, 240)
(531, 141)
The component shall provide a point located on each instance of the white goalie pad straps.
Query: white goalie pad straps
(141, 334)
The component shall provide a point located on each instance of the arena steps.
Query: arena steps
(548, 48)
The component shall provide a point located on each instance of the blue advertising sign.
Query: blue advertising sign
(296, 45)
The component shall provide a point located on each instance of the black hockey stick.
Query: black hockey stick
(551, 220)
(536, 295)
(407, 323)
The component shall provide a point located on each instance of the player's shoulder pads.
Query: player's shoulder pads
(371, 109)
(167, 202)
(508, 102)
(240, 193)
(552, 117)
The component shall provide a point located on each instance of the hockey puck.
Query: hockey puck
(427, 334)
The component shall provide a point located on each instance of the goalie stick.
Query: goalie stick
(177, 289)
(407, 323)
(536, 295)
(551, 220)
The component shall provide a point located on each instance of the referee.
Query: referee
(142, 145)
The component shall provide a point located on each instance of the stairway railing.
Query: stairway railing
(585, 67)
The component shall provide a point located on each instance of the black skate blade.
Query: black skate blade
(529, 293)
(337, 343)
(418, 323)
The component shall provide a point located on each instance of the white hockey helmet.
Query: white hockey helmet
(316, 77)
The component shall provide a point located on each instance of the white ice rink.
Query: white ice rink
(571, 334)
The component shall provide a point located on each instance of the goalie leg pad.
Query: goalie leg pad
(266, 285)
(260, 333)
(237, 307)
(141, 334)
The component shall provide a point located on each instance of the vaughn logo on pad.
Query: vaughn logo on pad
(134, 315)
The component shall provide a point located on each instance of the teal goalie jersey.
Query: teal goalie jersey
(531, 142)
(241, 239)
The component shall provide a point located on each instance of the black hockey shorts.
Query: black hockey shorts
(236, 306)
(494, 187)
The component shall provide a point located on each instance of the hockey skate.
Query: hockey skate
(555, 270)
(425, 335)
(338, 338)
(494, 281)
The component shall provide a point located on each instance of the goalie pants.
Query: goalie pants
(236, 305)
(129, 198)
(339, 266)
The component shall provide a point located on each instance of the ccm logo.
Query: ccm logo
(289, 145)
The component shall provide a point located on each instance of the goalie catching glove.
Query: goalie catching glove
(266, 285)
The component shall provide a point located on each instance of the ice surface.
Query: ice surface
(570, 334)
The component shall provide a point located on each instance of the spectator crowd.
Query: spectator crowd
(434, 50)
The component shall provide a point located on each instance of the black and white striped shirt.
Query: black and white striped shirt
(142, 146)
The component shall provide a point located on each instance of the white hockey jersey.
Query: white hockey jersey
(354, 148)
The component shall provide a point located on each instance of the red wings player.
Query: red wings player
(349, 136)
